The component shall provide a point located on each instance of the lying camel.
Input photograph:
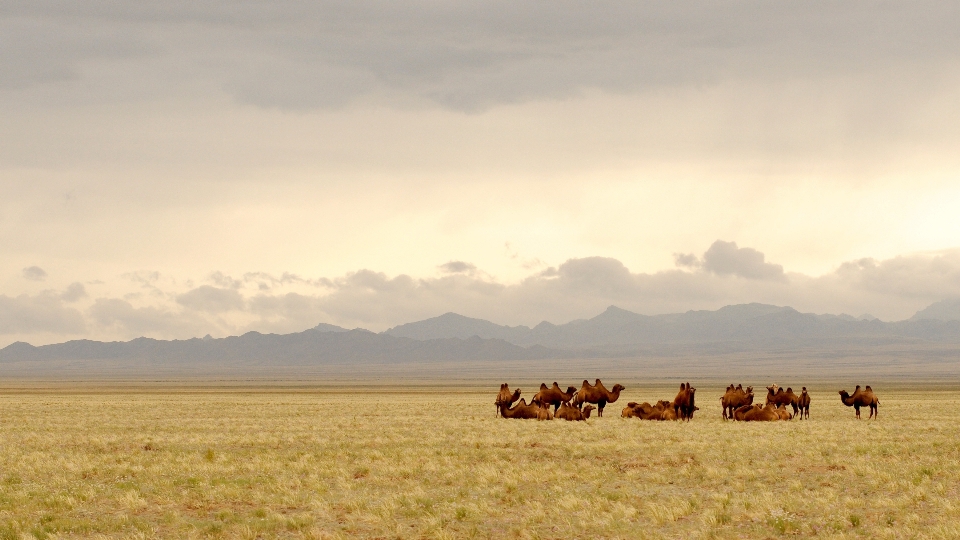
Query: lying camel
(861, 398)
(669, 414)
(569, 412)
(553, 395)
(778, 397)
(596, 393)
(543, 411)
(633, 409)
(645, 411)
(521, 411)
(505, 396)
(734, 398)
(783, 412)
(755, 413)
(803, 404)
(683, 404)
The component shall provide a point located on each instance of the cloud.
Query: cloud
(45, 312)
(122, 318)
(211, 299)
(457, 267)
(75, 291)
(725, 258)
(467, 56)
(34, 273)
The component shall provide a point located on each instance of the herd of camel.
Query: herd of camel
(736, 403)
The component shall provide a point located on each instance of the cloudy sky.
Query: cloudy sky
(173, 169)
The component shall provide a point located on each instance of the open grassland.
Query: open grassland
(419, 465)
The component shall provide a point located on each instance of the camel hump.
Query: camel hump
(869, 389)
(597, 383)
(683, 386)
(789, 389)
(543, 386)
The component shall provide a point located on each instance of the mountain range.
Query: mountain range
(615, 333)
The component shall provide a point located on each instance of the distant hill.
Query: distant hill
(944, 310)
(302, 348)
(615, 333)
(747, 325)
(452, 325)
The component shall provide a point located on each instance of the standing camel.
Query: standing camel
(734, 398)
(554, 395)
(803, 404)
(683, 404)
(596, 393)
(861, 398)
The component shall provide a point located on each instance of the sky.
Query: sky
(172, 169)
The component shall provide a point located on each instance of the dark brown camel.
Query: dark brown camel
(596, 393)
(803, 404)
(569, 412)
(683, 404)
(521, 411)
(505, 396)
(734, 398)
(554, 395)
(778, 396)
(861, 398)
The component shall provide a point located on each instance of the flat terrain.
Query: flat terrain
(371, 463)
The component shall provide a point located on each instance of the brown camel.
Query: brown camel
(734, 398)
(633, 409)
(778, 397)
(554, 395)
(683, 404)
(596, 393)
(569, 412)
(669, 414)
(758, 414)
(803, 404)
(783, 412)
(739, 414)
(861, 398)
(543, 411)
(505, 396)
(521, 411)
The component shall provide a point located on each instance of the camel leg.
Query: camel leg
(556, 407)
(857, 408)
(600, 405)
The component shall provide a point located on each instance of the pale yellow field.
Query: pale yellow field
(411, 465)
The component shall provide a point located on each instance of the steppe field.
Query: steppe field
(435, 462)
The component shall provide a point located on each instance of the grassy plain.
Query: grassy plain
(415, 464)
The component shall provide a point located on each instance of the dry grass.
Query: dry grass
(411, 465)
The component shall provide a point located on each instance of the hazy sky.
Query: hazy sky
(171, 169)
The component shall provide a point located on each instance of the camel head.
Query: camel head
(571, 390)
(844, 394)
(618, 388)
(772, 389)
(587, 410)
(803, 390)
(749, 390)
